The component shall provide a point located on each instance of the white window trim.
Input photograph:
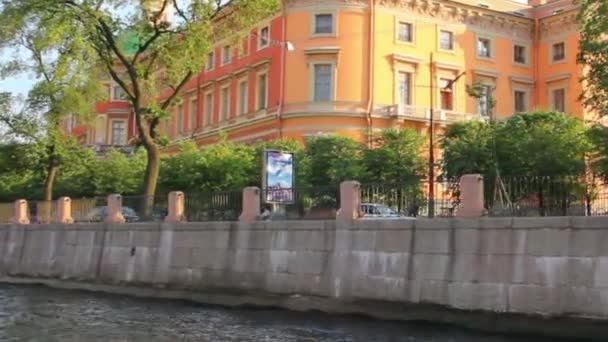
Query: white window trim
(257, 89)
(207, 68)
(313, 24)
(112, 98)
(208, 117)
(259, 37)
(526, 92)
(397, 97)
(193, 125)
(527, 54)
(224, 61)
(439, 48)
(111, 131)
(334, 77)
(559, 61)
(228, 116)
(492, 47)
(552, 98)
(240, 111)
(399, 20)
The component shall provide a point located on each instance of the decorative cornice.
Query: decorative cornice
(558, 77)
(260, 63)
(319, 50)
(486, 72)
(559, 25)
(448, 66)
(521, 79)
(398, 57)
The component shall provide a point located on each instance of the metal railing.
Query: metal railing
(144, 208)
(305, 203)
(392, 200)
(213, 206)
(545, 196)
(324, 107)
(423, 114)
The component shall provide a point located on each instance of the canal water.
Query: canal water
(32, 313)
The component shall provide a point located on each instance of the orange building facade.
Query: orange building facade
(353, 67)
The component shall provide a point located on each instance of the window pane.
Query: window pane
(324, 23)
(484, 100)
(243, 98)
(180, 119)
(405, 32)
(446, 40)
(559, 51)
(226, 55)
(210, 59)
(559, 100)
(520, 101)
(323, 82)
(519, 54)
(483, 47)
(261, 92)
(446, 87)
(264, 36)
(208, 109)
(404, 89)
(119, 133)
(118, 93)
(193, 114)
(225, 104)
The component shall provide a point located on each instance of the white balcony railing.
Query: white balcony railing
(424, 114)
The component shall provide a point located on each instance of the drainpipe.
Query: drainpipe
(283, 53)
(535, 50)
(370, 90)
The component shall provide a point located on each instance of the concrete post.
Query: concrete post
(350, 201)
(251, 205)
(176, 207)
(20, 213)
(115, 210)
(471, 196)
(63, 213)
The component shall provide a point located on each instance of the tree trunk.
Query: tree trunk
(150, 179)
(44, 209)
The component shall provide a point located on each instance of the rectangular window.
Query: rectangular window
(484, 46)
(193, 114)
(119, 132)
(208, 109)
(226, 55)
(446, 88)
(210, 61)
(405, 32)
(405, 98)
(262, 92)
(323, 82)
(225, 103)
(446, 40)
(243, 98)
(559, 51)
(519, 54)
(324, 23)
(485, 101)
(520, 101)
(118, 94)
(180, 119)
(264, 37)
(559, 100)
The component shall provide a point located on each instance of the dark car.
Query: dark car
(100, 213)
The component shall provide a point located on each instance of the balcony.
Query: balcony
(324, 107)
(102, 149)
(422, 114)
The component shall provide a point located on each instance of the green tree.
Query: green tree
(118, 173)
(468, 148)
(330, 160)
(132, 41)
(593, 53)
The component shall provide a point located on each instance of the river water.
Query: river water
(32, 313)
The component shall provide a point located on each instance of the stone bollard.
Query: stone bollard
(63, 213)
(114, 210)
(471, 196)
(350, 201)
(176, 207)
(20, 212)
(251, 205)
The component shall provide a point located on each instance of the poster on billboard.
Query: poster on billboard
(278, 176)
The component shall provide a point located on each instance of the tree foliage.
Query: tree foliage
(593, 53)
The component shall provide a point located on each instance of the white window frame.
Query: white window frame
(453, 40)
(242, 97)
(552, 91)
(259, 36)
(491, 47)
(448, 78)
(208, 114)
(112, 95)
(526, 54)
(526, 100)
(492, 86)
(193, 113)
(410, 88)
(313, 24)
(226, 59)
(312, 65)
(398, 22)
(124, 121)
(259, 108)
(552, 53)
(210, 67)
(224, 117)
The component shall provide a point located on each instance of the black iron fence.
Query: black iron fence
(143, 208)
(213, 206)
(411, 199)
(545, 196)
(305, 203)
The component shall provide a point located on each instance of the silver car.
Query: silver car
(380, 211)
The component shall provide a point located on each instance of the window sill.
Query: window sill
(260, 48)
(403, 43)
(561, 61)
(450, 51)
(521, 65)
(484, 58)
(323, 35)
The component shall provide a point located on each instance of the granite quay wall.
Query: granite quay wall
(441, 270)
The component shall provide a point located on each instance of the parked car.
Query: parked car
(380, 211)
(100, 213)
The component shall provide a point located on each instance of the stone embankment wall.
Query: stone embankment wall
(530, 266)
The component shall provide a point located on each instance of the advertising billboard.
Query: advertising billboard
(278, 176)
